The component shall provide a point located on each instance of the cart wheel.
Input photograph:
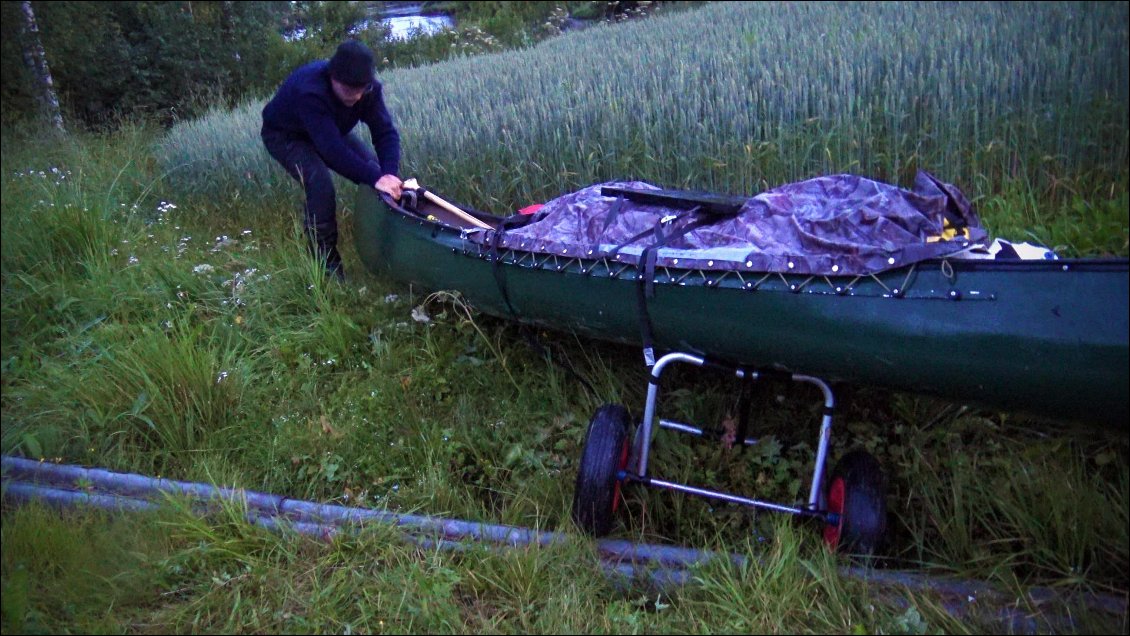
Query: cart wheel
(857, 494)
(597, 494)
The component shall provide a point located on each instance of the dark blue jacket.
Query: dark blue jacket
(305, 107)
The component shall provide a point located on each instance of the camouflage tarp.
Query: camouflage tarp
(832, 225)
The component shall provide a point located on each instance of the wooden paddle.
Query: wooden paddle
(411, 184)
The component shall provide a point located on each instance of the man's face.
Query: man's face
(350, 95)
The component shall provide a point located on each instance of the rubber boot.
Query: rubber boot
(323, 246)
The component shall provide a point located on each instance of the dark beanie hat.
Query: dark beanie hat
(352, 64)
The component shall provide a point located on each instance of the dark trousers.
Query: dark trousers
(303, 163)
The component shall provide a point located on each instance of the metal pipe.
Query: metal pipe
(124, 486)
(21, 492)
(825, 437)
(668, 573)
(134, 485)
(672, 425)
(649, 406)
(714, 494)
(71, 486)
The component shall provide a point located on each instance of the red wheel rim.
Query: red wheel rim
(621, 465)
(835, 505)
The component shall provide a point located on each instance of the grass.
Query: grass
(153, 326)
(90, 571)
(256, 372)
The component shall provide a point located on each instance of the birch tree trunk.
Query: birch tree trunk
(228, 30)
(36, 59)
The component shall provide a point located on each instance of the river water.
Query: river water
(405, 24)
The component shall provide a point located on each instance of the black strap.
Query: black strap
(648, 232)
(645, 287)
(647, 257)
(613, 212)
(495, 266)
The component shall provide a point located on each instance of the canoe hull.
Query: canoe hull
(1048, 338)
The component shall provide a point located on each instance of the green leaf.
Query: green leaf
(32, 445)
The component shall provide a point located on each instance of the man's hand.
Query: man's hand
(389, 184)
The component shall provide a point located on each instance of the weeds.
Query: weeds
(177, 332)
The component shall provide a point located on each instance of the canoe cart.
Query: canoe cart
(853, 510)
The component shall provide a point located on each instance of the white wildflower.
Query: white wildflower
(420, 315)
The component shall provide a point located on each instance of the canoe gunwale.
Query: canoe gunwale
(898, 283)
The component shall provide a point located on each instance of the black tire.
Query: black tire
(857, 493)
(597, 492)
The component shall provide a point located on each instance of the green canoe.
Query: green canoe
(1047, 338)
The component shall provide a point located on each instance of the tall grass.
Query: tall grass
(153, 321)
(739, 97)
(174, 342)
